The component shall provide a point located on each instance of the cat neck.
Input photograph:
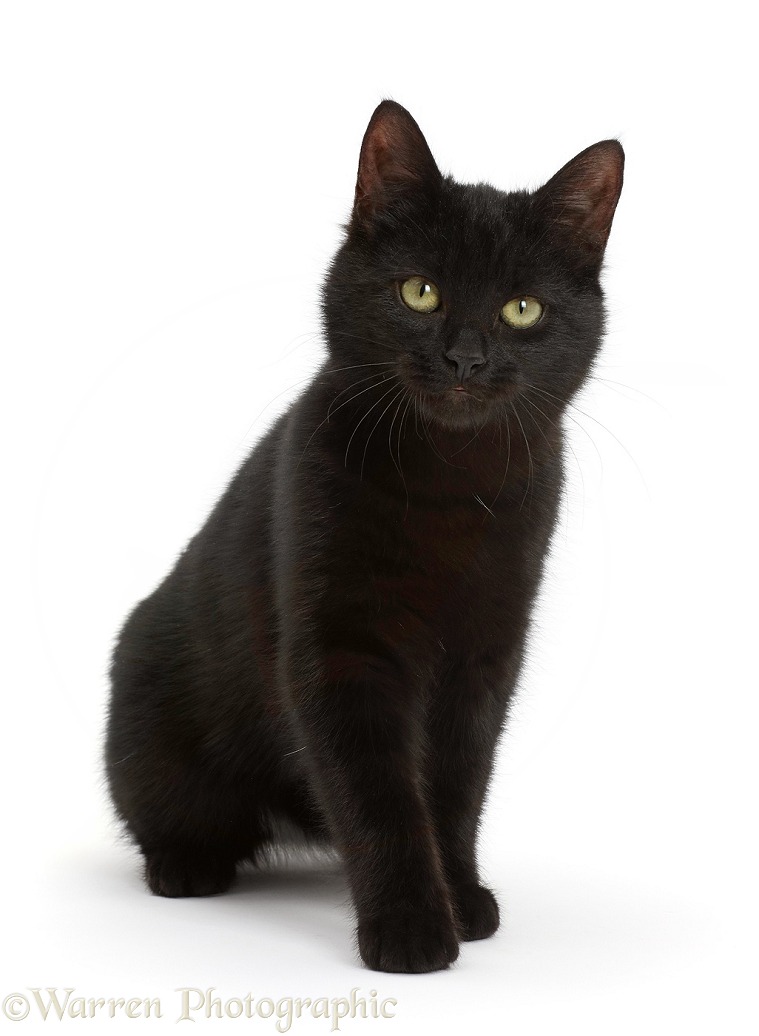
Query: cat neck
(395, 446)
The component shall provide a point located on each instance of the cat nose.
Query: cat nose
(467, 352)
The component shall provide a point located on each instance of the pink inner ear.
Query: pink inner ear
(382, 161)
(584, 194)
(394, 153)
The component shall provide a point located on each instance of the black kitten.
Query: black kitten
(337, 646)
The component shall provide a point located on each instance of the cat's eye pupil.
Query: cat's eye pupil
(423, 289)
(522, 305)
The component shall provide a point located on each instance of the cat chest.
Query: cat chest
(440, 574)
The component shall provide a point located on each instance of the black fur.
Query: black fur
(338, 645)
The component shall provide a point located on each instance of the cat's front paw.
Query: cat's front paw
(477, 912)
(176, 873)
(410, 943)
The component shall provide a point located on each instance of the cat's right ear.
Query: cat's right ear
(395, 162)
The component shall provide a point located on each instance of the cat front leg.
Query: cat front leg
(362, 729)
(465, 718)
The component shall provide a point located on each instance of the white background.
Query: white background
(173, 178)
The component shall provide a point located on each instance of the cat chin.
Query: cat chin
(457, 410)
(461, 410)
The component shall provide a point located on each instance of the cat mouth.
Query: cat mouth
(466, 405)
(460, 390)
(456, 406)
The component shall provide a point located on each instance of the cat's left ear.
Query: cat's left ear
(395, 162)
(579, 201)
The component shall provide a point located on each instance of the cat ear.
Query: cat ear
(581, 198)
(395, 161)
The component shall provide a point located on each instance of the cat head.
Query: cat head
(471, 296)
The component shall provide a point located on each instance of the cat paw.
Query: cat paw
(408, 943)
(477, 912)
(173, 873)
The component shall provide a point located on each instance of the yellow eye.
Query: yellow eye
(420, 294)
(523, 311)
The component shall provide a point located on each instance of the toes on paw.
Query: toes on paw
(408, 945)
(478, 913)
(174, 875)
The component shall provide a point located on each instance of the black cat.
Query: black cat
(337, 647)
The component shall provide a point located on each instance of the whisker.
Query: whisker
(508, 461)
(309, 377)
(433, 447)
(355, 366)
(481, 501)
(404, 425)
(608, 431)
(573, 406)
(619, 443)
(529, 458)
(525, 399)
(390, 439)
(350, 334)
(382, 378)
(260, 414)
(582, 427)
(376, 426)
(400, 433)
(428, 437)
(361, 421)
(352, 386)
(532, 403)
(610, 383)
(476, 434)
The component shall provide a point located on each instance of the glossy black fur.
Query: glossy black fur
(338, 645)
